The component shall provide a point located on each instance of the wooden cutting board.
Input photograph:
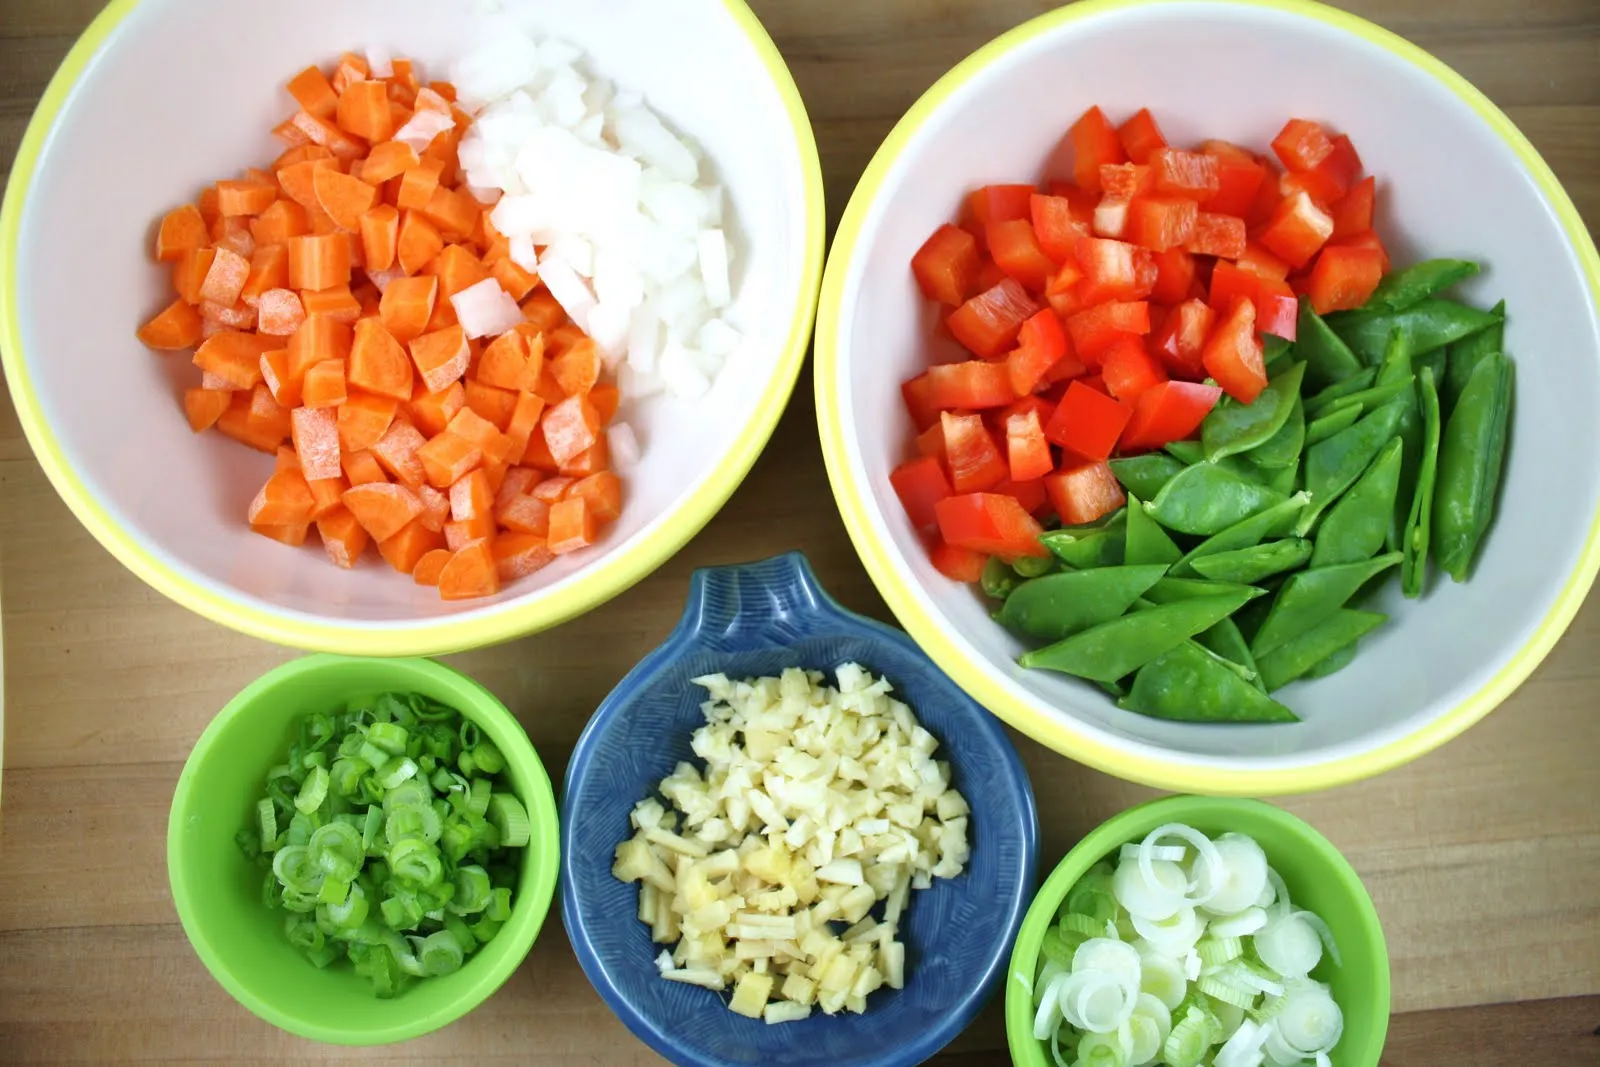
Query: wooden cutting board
(1484, 858)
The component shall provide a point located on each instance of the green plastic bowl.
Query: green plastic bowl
(218, 892)
(1317, 876)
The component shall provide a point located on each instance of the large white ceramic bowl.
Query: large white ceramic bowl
(161, 97)
(1458, 179)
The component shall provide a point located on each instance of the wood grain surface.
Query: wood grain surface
(1483, 858)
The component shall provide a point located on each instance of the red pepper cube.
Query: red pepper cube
(1190, 174)
(974, 461)
(1367, 239)
(920, 484)
(1239, 178)
(1168, 412)
(1027, 451)
(969, 386)
(1056, 226)
(1277, 310)
(1140, 136)
(1115, 270)
(999, 203)
(1041, 344)
(1263, 264)
(1354, 211)
(946, 266)
(1125, 181)
(1297, 230)
(1094, 144)
(1094, 329)
(1182, 338)
(1175, 276)
(1233, 355)
(1015, 248)
(1128, 368)
(957, 564)
(988, 323)
(1161, 222)
(918, 395)
(989, 522)
(1302, 144)
(1085, 494)
(1222, 236)
(1087, 422)
(1111, 217)
(1342, 167)
(1344, 278)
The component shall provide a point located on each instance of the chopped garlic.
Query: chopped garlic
(816, 803)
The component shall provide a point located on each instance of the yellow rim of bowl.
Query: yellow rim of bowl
(929, 630)
(600, 581)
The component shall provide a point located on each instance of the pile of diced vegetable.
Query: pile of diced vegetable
(1223, 465)
(389, 839)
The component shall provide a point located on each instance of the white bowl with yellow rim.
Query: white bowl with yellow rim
(1457, 179)
(160, 97)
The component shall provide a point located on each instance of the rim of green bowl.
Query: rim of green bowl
(541, 861)
(1132, 825)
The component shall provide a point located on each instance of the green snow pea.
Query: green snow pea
(1419, 524)
(1324, 400)
(1367, 400)
(1189, 684)
(1398, 367)
(1208, 498)
(1466, 354)
(1225, 640)
(1272, 522)
(1429, 324)
(1170, 590)
(1328, 359)
(1034, 566)
(1274, 348)
(1437, 361)
(1283, 448)
(1052, 607)
(1309, 597)
(998, 580)
(1334, 421)
(1145, 475)
(1083, 547)
(1146, 542)
(1296, 656)
(1283, 481)
(1333, 663)
(1333, 465)
(1357, 525)
(1250, 565)
(1404, 288)
(1472, 452)
(1186, 452)
(1110, 650)
(1232, 427)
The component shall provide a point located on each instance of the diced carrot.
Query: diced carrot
(512, 278)
(572, 525)
(538, 455)
(441, 358)
(298, 180)
(382, 508)
(324, 385)
(316, 441)
(470, 497)
(570, 427)
(495, 405)
(524, 513)
(269, 269)
(189, 273)
(351, 69)
(552, 490)
(419, 240)
(435, 507)
(517, 555)
(364, 111)
(269, 420)
(397, 451)
(432, 412)
(444, 312)
(343, 197)
(380, 235)
(283, 220)
(287, 459)
(505, 363)
(285, 386)
(560, 338)
(363, 420)
(206, 204)
(313, 92)
(234, 235)
(543, 311)
(225, 278)
(430, 566)
(176, 326)
(461, 532)
(457, 269)
(409, 545)
(182, 230)
(233, 356)
(292, 534)
(203, 407)
(417, 188)
(447, 458)
(470, 426)
(603, 491)
(455, 213)
(470, 572)
(378, 363)
(239, 316)
(549, 388)
(388, 160)
(592, 460)
(337, 303)
(326, 494)
(237, 424)
(319, 261)
(406, 306)
(404, 77)
(284, 499)
(578, 368)
(360, 468)
(524, 421)
(517, 481)
(319, 338)
(321, 131)
(343, 536)
(248, 197)
(299, 153)
(605, 398)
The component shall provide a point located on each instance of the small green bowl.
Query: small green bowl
(1317, 876)
(218, 892)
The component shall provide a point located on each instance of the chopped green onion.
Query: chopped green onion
(294, 867)
(466, 763)
(440, 953)
(499, 908)
(469, 734)
(485, 929)
(348, 914)
(397, 770)
(463, 933)
(334, 891)
(415, 861)
(420, 822)
(389, 736)
(337, 850)
(1188, 1042)
(478, 796)
(267, 817)
(472, 890)
(312, 791)
(510, 818)
(370, 828)
(488, 757)
(347, 775)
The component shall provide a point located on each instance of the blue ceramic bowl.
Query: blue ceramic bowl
(752, 620)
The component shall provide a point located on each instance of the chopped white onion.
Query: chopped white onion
(1095, 1001)
(1175, 934)
(1153, 893)
(1242, 873)
(1164, 853)
(1161, 976)
(486, 310)
(1247, 922)
(423, 126)
(1118, 959)
(624, 444)
(1046, 1019)
(570, 291)
(713, 249)
(1289, 945)
(1203, 884)
(1310, 1022)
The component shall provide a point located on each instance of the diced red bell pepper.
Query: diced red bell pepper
(1094, 144)
(920, 484)
(1094, 329)
(1041, 344)
(1344, 278)
(969, 386)
(1233, 355)
(1229, 283)
(989, 272)
(1027, 452)
(1239, 178)
(1039, 405)
(1140, 136)
(1111, 217)
(1277, 310)
(1082, 200)
(1115, 270)
(1168, 412)
(1162, 222)
(918, 395)
(1085, 493)
(999, 203)
(1056, 226)
(1263, 264)
(1175, 275)
(1268, 196)
(1313, 183)
(946, 266)
(1342, 167)
(957, 564)
(1297, 230)
(1124, 181)
(1190, 174)
(990, 522)
(1016, 250)
(988, 323)
(974, 461)
(1182, 338)
(1367, 239)
(1030, 494)
(1129, 369)
(1302, 144)
(1087, 422)
(1354, 211)
(1217, 235)
(930, 442)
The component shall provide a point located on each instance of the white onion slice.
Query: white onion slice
(1162, 853)
(1047, 973)
(713, 251)
(1046, 1018)
(1289, 945)
(1243, 1049)
(1313, 920)
(1151, 1018)
(1161, 976)
(1207, 862)
(1096, 1001)
(1118, 959)
(1175, 934)
(486, 310)
(1153, 890)
(1277, 903)
(1310, 1022)
(1242, 874)
(1247, 922)
(423, 126)
(570, 291)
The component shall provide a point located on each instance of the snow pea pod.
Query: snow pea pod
(1419, 524)
(1364, 379)
(1208, 498)
(1057, 605)
(1283, 448)
(1333, 663)
(1403, 288)
(1465, 355)
(1186, 452)
(1356, 526)
(1328, 359)
(1145, 475)
(1295, 657)
(1146, 542)
(998, 580)
(1110, 650)
(1338, 419)
(1225, 640)
(1472, 452)
(1309, 597)
(1232, 427)
(1189, 684)
(1333, 465)
(1083, 547)
(1398, 367)
(1249, 565)
(1035, 566)
(1274, 348)
(1426, 325)
(1169, 590)
(1272, 522)
(1367, 400)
